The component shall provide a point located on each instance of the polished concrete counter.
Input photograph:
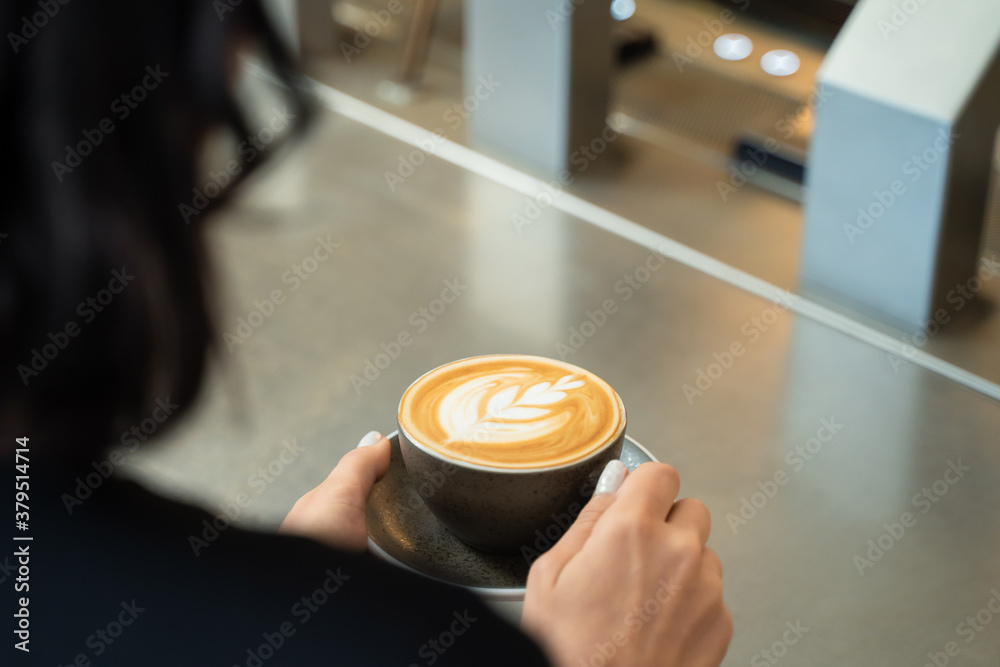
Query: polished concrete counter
(671, 185)
(854, 499)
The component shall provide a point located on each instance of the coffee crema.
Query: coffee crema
(511, 411)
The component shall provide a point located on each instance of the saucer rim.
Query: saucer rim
(501, 594)
(509, 594)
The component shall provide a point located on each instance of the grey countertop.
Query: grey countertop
(854, 497)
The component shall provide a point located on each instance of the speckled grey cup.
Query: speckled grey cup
(505, 510)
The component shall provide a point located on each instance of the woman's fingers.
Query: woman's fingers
(572, 541)
(649, 492)
(637, 544)
(691, 514)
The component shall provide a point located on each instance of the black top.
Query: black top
(115, 580)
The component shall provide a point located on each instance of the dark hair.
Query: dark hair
(105, 107)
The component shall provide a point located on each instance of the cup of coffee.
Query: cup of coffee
(506, 449)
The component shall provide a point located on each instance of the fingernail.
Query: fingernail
(370, 439)
(612, 477)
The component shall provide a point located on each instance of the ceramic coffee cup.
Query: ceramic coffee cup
(506, 449)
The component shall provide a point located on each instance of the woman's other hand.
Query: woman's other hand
(631, 583)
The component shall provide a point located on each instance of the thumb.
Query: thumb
(573, 540)
(351, 481)
(334, 512)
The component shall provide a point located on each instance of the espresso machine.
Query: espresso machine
(878, 116)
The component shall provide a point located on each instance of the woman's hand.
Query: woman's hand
(334, 512)
(631, 580)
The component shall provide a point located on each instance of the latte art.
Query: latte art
(511, 411)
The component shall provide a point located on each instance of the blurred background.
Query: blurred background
(754, 218)
(710, 96)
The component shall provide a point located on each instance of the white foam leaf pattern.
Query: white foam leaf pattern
(501, 400)
(506, 406)
(535, 390)
(513, 412)
(471, 411)
(521, 412)
(567, 382)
